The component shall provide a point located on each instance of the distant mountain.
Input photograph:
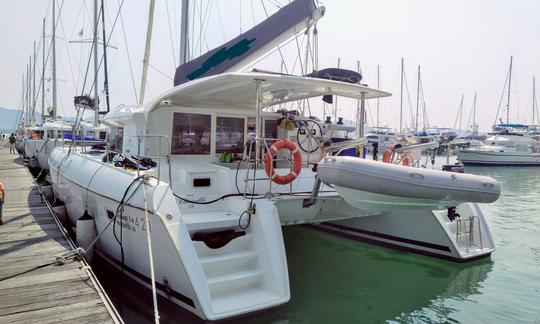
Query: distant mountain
(9, 118)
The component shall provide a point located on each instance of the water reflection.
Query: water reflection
(337, 280)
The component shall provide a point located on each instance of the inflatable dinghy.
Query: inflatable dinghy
(378, 187)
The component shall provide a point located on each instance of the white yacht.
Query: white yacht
(42, 140)
(509, 144)
(216, 227)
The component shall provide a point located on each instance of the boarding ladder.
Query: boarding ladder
(469, 233)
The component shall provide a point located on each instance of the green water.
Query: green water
(335, 280)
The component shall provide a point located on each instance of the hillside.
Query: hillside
(10, 117)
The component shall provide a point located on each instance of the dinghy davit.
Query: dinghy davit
(378, 187)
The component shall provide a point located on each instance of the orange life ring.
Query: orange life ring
(406, 160)
(387, 155)
(269, 161)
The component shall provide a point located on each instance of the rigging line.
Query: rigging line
(469, 120)
(128, 56)
(221, 22)
(206, 21)
(502, 96)
(50, 47)
(252, 11)
(191, 49)
(203, 25)
(67, 54)
(278, 47)
(298, 55)
(240, 15)
(156, 69)
(170, 32)
(407, 92)
(109, 37)
(266, 56)
(90, 59)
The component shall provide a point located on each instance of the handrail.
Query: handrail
(343, 145)
(140, 138)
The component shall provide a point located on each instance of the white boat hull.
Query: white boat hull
(479, 157)
(247, 274)
(428, 232)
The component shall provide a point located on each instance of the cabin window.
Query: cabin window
(229, 135)
(102, 135)
(270, 128)
(191, 133)
(116, 138)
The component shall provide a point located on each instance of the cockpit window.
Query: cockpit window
(229, 134)
(191, 133)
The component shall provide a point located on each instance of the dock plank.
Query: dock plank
(30, 237)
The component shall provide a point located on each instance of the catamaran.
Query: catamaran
(194, 187)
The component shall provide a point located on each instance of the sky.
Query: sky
(462, 46)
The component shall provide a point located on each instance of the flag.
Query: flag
(81, 32)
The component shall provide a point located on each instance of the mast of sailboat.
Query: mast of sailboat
(25, 83)
(95, 45)
(43, 77)
(360, 110)
(378, 87)
(34, 88)
(28, 91)
(534, 99)
(401, 102)
(417, 100)
(509, 87)
(461, 112)
(336, 98)
(106, 74)
(53, 60)
(22, 102)
(147, 50)
(474, 115)
(184, 21)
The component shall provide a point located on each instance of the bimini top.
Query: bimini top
(238, 90)
(512, 125)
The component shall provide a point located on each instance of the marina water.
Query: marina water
(336, 280)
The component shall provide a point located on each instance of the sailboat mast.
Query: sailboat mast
(336, 98)
(105, 69)
(22, 102)
(184, 21)
(95, 44)
(417, 100)
(28, 92)
(34, 88)
(378, 87)
(461, 112)
(401, 102)
(359, 111)
(534, 99)
(509, 87)
(43, 77)
(54, 59)
(26, 98)
(474, 115)
(147, 50)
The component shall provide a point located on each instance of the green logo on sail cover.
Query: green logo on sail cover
(221, 56)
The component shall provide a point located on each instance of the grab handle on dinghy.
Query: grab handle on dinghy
(416, 175)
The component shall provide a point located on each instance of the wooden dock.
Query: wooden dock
(32, 237)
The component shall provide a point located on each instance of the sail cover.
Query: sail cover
(257, 41)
